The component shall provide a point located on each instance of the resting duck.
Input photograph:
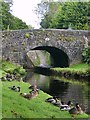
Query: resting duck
(17, 89)
(12, 87)
(76, 110)
(66, 106)
(58, 103)
(31, 95)
(51, 99)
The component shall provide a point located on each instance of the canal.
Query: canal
(63, 89)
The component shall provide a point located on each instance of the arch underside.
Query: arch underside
(58, 57)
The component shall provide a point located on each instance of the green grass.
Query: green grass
(74, 72)
(15, 106)
(74, 68)
(8, 67)
(81, 66)
(0, 73)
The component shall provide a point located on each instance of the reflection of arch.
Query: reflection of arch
(59, 57)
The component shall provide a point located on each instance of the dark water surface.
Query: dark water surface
(76, 92)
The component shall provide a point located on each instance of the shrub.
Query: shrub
(86, 55)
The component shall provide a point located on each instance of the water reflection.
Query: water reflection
(64, 90)
(58, 88)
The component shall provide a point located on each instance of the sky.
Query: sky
(24, 9)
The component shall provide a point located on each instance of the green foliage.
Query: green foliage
(48, 15)
(86, 55)
(8, 67)
(18, 24)
(45, 23)
(67, 15)
(19, 71)
(8, 20)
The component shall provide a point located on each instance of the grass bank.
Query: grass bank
(8, 67)
(15, 106)
(78, 71)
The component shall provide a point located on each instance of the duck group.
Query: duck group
(55, 101)
(73, 110)
(66, 106)
(32, 94)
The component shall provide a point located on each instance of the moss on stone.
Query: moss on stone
(27, 35)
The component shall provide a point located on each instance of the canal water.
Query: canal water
(64, 90)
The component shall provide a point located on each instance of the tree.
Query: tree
(42, 8)
(6, 15)
(8, 20)
(47, 17)
(67, 14)
(18, 24)
(73, 14)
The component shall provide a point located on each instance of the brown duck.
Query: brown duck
(31, 95)
(75, 110)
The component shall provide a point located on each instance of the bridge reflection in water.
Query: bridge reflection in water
(76, 92)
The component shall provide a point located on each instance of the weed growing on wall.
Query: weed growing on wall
(86, 55)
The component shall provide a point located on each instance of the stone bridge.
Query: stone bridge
(64, 46)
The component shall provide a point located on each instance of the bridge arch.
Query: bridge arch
(59, 58)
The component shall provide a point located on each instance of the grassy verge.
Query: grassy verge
(78, 71)
(15, 106)
(7, 67)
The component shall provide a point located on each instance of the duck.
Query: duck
(35, 93)
(13, 87)
(17, 89)
(66, 106)
(31, 95)
(51, 100)
(79, 109)
(58, 103)
(25, 95)
(76, 110)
